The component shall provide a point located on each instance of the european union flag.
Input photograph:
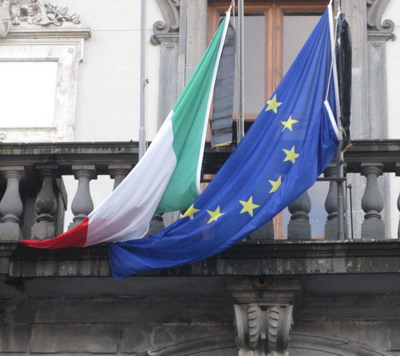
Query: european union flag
(288, 146)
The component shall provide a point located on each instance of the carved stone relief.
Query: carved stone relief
(169, 28)
(263, 328)
(34, 12)
(263, 316)
(5, 18)
(378, 28)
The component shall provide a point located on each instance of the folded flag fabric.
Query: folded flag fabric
(221, 124)
(167, 178)
(288, 146)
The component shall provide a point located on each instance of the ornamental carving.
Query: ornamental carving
(263, 315)
(378, 28)
(34, 12)
(170, 27)
(263, 328)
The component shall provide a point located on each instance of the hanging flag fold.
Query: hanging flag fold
(344, 65)
(221, 122)
(167, 178)
(289, 145)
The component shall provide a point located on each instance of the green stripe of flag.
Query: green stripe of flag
(189, 125)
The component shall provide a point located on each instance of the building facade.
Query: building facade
(71, 87)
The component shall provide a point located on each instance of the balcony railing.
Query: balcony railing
(34, 200)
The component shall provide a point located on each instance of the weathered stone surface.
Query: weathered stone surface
(94, 338)
(14, 338)
(141, 337)
(169, 309)
(364, 332)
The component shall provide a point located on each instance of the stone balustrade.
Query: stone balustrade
(33, 198)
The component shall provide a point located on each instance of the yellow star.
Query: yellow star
(190, 212)
(275, 184)
(291, 155)
(273, 105)
(214, 215)
(248, 206)
(289, 123)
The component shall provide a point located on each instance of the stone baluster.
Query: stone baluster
(11, 206)
(264, 232)
(397, 170)
(299, 227)
(82, 204)
(118, 172)
(45, 205)
(372, 203)
(398, 208)
(331, 207)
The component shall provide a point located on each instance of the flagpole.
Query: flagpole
(240, 120)
(339, 156)
(143, 80)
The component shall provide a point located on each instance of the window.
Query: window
(274, 34)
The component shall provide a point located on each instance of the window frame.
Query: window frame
(274, 12)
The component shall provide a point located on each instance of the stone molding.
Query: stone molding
(167, 31)
(378, 29)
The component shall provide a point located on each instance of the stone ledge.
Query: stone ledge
(248, 258)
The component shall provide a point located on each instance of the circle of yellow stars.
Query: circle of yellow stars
(248, 206)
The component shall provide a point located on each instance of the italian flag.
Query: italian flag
(167, 178)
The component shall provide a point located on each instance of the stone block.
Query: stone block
(14, 338)
(299, 230)
(74, 338)
(10, 231)
(373, 229)
(394, 330)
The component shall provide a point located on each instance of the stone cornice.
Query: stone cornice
(258, 259)
(59, 32)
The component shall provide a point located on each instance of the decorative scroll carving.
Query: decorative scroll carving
(378, 28)
(280, 323)
(169, 28)
(264, 328)
(34, 12)
(263, 316)
(253, 318)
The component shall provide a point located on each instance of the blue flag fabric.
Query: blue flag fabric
(287, 148)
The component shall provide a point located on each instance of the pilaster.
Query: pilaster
(166, 34)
